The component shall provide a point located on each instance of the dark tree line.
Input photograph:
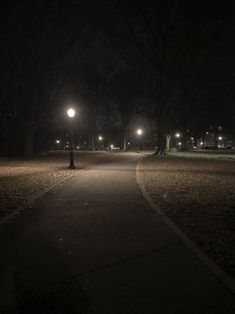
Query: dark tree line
(39, 42)
(178, 52)
(164, 60)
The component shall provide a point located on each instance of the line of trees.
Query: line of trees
(114, 60)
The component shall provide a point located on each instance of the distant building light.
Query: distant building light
(57, 141)
(201, 143)
(177, 135)
(191, 138)
(180, 143)
(111, 146)
(220, 138)
(78, 147)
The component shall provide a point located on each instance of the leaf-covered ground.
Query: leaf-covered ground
(198, 194)
(21, 181)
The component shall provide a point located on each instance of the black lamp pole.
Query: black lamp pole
(71, 153)
(71, 114)
(139, 133)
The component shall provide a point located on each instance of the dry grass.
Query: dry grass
(199, 196)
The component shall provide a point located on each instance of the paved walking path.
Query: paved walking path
(94, 245)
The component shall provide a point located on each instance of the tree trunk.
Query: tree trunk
(125, 141)
(168, 142)
(161, 137)
(92, 142)
(184, 140)
(29, 139)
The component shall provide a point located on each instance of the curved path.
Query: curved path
(94, 245)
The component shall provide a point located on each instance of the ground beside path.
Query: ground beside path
(197, 191)
(23, 181)
(94, 245)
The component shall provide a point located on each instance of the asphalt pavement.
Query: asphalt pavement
(95, 245)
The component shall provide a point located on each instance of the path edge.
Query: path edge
(9, 217)
(216, 270)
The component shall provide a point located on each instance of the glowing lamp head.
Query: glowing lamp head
(139, 131)
(100, 138)
(111, 146)
(177, 135)
(220, 138)
(57, 141)
(71, 113)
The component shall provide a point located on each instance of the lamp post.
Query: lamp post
(71, 114)
(101, 141)
(57, 144)
(139, 133)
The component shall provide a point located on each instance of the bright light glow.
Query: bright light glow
(220, 138)
(57, 141)
(201, 143)
(78, 147)
(100, 138)
(191, 138)
(139, 131)
(129, 143)
(177, 135)
(111, 146)
(180, 143)
(71, 112)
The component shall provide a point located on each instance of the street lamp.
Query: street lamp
(177, 135)
(57, 146)
(71, 114)
(100, 138)
(139, 133)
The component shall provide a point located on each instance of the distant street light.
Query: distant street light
(177, 135)
(57, 144)
(139, 133)
(101, 142)
(71, 114)
(220, 138)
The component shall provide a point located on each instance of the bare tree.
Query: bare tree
(36, 47)
(165, 44)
